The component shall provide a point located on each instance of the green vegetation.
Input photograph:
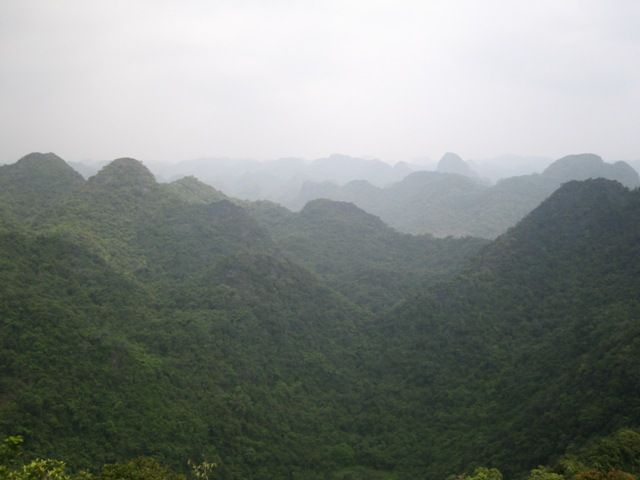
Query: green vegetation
(192, 190)
(358, 255)
(534, 346)
(141, 328)
(615, 457)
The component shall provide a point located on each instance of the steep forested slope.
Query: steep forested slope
(536, 346)
(137, 319)
(135, 323)
(358, 255)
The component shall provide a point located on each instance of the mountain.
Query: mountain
(125, 174)
(33, 182)
(134, 322)
(442, 205)
(532, 348)
(280, 180)
(192, 190)
(137, 319)
(338, 168)
(508, 165)
(453, 163)
(588, 165)
(422, 203)
(218, 172)
(359, 255)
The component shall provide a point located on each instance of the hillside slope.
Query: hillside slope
(535, 346)
(134, 323)
(137, 321)
(359, 255)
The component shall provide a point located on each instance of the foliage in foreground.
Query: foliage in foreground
(615, 457)
(13, 467)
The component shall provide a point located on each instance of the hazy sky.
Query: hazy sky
(396, 80)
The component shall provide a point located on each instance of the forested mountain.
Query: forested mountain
(358, 255)
(453, 163)
(587, 165)
(136, 323)
(33, 182)
(535, 347)
(139, 318)
(445, 204)
(192, 190)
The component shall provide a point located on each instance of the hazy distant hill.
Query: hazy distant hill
(343, 168)
(587, 165)
(448, 204)
(508, 165)
(280, 180)
(453, 163)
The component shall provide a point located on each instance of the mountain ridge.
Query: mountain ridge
(448, 204)
(315, 344)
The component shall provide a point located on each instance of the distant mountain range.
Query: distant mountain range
(280, 180)
(446, 204)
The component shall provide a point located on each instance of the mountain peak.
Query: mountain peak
(125, 172)
(453, 163)
(46, 165)
(192, 190)
(574, 162)
(42, 169)
(36, 158)
(35, 181)
(588, 165)
(574, 213)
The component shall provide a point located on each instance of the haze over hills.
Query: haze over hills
(280, 180)
(195, 287)
(509, 165)
(141, 318)
(448, 204)
(453, 163)
(226, 173)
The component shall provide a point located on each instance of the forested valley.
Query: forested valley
(156, 330)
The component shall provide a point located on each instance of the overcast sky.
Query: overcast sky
(168, 81)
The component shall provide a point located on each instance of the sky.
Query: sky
(395, 80)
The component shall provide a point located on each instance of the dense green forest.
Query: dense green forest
(144, 324)
(358, 255)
